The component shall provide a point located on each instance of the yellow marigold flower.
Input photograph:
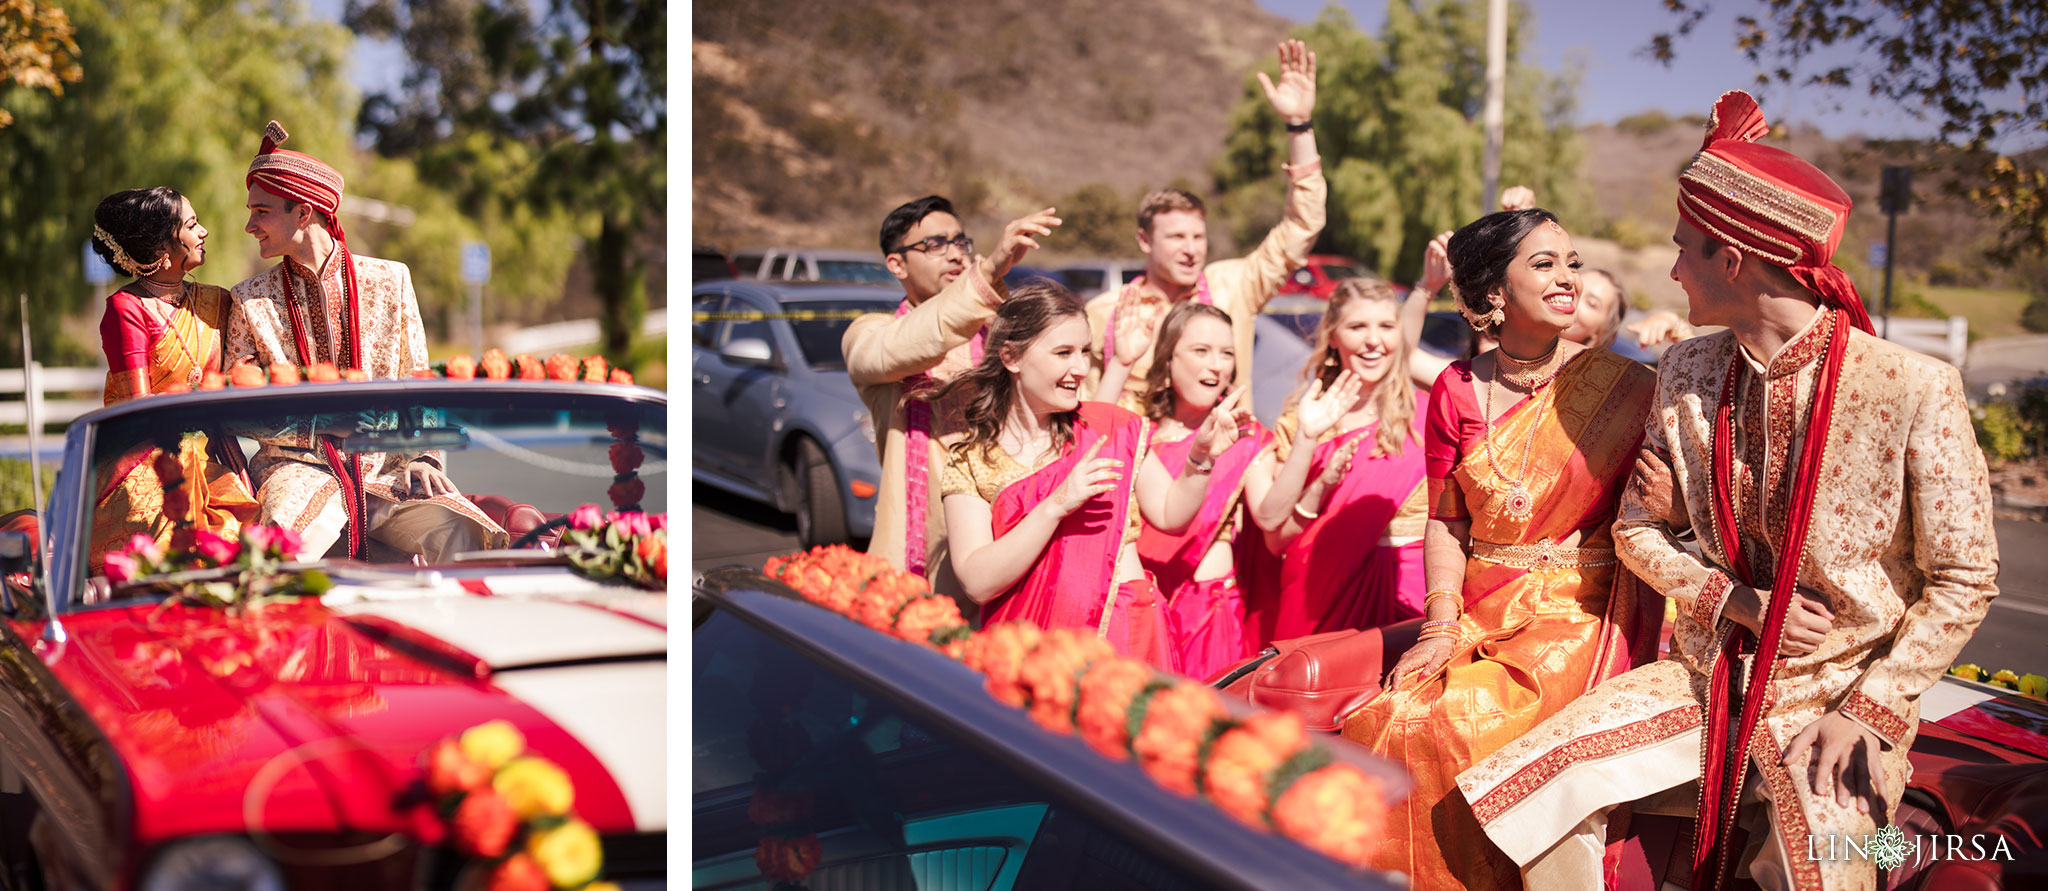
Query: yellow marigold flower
(535, 787)
(603, 886)
(569, 853)
(2005, 678)
(493, 743)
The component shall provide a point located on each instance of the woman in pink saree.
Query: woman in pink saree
(1196, 568)
(1345, 506)
(1041, 489)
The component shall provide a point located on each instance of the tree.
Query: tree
(1397, 126)
(36, 49)
(517, 113)
(1975, 66)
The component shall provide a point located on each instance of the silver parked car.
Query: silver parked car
(814, 265)
(776, 418)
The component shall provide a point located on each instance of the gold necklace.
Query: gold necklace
(1528, 374)
(1516, 500)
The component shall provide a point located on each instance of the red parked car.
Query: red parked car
(1320, 275)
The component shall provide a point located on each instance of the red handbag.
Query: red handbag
(1322, 677)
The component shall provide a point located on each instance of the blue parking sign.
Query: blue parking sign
(97, 272)
(476, 263)
(1877, 252)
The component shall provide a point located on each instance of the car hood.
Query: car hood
(313, 715)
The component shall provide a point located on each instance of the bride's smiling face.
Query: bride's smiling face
(1049, 370)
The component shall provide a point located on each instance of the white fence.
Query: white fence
(1947, 339)
(35, 383)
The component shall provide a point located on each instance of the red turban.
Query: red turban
(304, 179)
(1769, 203)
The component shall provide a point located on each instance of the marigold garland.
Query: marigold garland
(495, 365)
(1263, 770)
(512, 811)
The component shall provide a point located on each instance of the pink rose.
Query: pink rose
(289, 544)
(215, 547)
(120, 568)
(586, 517)
(141, 545)
(633, 523)
(657, 522)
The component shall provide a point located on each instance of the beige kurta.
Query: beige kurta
(882, 352)
(1239, 287)
(294, 483)
(1902, 546)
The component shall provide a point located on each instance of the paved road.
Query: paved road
(727, 530)
(2006, 359)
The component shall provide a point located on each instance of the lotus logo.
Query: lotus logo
(1888, 848)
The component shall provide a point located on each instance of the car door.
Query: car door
(751, 393)
(707, 412)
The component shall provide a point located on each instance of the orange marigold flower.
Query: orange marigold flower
(1241, 760)
(788, 859)
(1176, 721)
(928, 615)
(461, 367)
(284, 373)
(323, 373)
(494, 365)
(213, 380)
(1337, 810)
(173, 388)
(355, 375)
(246, 375)
(998, 652)
(561, 367)
(594, 368)
(1103, 712)
(530, 368)
(1051, 674)
(621, 376)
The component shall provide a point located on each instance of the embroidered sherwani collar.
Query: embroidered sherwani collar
(1805, 348)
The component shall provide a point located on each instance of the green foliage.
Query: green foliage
(15, 489)
(36, 49)
(2035, 317)
(1628, 232)
(1397, 125)
(1095, 219)
(1999, 432)
(1645, 123)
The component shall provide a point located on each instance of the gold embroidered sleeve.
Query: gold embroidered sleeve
(1242, 287)
(1650, 548)
(1955, 548)
(881, 348)
(957, 478)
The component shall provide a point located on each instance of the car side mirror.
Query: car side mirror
(19, 589)
(751, 351)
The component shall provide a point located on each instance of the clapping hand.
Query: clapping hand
(1091, 476)
(1017, 240)
(1136, 323)
(1294, 97)
(1221, 428)
(1436, 264)
(1319, 409)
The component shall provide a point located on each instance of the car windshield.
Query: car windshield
(819, 325)
(864, 272)
(517, 454)
(1336, 271)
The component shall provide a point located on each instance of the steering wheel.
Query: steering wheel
(532, 536)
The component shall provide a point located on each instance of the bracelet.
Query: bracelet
(1441, 623)
(1304, 514)
(1202, 467)
(1302, 127)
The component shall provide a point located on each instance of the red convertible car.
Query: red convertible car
(153, 744)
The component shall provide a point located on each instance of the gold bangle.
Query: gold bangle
(1445, 592)
(1304, 514)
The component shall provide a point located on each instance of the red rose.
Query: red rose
(494, 364)
(530, 368)
(561, 367)
(622, 428)
(593, 370)
(450, 770)
(788, 859)
(626, 494)
(246, 376)
(323, 373)
(461, 368)
(484, 823)
(519, 872)
(284, 373)
(621, 376)
(626, 456)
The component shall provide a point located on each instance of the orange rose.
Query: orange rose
(881, 595)
(1337, 810)
(517, 873)
(622, 376)
(213, 380)
(1241, 760)
(788, 859)
(246, 376)
(284, 373)
(461, 367)
(653, 551)
(323, 373)
(494, 364)
(593, 370)
(530, 368)
(1103, 712)
(450, 770)
(925, 616)
(1000, 654)
(1177, 720)
(425, 374)
(174, 388)
(561, 367)
(484, 824)
(355, 375)
(1050, 674)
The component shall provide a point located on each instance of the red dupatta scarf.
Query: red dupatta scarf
(1721, 778)
(1173, 559)
(917, 437)
(1072, 585)
(348, 470)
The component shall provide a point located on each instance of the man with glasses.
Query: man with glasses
(1173, 234)
(949, 293)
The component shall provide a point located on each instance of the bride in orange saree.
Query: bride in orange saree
(1528, 607)
(161, 334)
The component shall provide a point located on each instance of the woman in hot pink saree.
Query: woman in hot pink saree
(1345, 508)
(1040, 488)
(1196, 568)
